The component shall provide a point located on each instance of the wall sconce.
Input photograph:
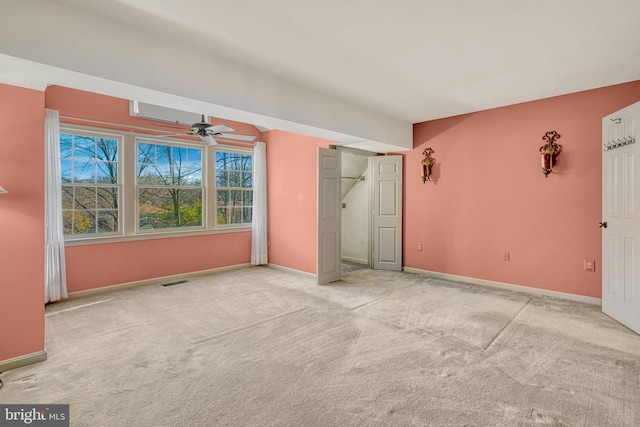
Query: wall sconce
(550, 151)
(426, 164)
(2, 190)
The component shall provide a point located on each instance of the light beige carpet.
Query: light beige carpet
(262, 347)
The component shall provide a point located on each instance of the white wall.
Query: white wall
(100, 52)
(355, 223)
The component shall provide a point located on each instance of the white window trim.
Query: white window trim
(81, 130)
(127, 176)
(227, 149)
(204, 186)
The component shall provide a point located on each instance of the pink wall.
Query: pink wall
(291, 192)
(21, 222)
(490, 196)
(88, 105)
(93, 266)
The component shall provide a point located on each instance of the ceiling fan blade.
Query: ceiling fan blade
(218, 129)
(237, 137)
(209, 140)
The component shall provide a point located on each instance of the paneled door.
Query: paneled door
(329, 264)
(387, 212)
(621, 218)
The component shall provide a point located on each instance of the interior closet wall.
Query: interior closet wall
(356, 206)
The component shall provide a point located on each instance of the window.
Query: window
(234, 187)
(170, 186)
(90, 183)
(121, 186)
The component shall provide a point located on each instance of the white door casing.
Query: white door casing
(387, 212)
(621, 213)
(328, 266)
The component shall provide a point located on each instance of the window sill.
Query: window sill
(151, 236)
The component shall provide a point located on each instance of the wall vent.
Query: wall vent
(174, 283)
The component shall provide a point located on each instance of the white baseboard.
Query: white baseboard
(434, 274)
(355, 260)
(20, 361)
(171, 278)
(292, 270)
(507, 286)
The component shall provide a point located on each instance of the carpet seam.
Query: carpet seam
(507, 325)
(378, 299)
(420, 332)
(248, 326)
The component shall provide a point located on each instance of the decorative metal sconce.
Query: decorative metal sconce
(426, 164)
(550, 151)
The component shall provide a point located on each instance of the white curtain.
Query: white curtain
(55, 285)
(259, 249)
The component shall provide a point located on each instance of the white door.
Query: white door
(328, 267)
(387, 212)
(621, 218)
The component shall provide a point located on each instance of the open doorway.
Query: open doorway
(356, 210)
(371, 219)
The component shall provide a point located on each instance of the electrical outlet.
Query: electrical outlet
(506, 256)
(419, 247)
(589, 265)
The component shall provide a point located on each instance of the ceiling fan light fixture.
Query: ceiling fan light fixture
(207, 133)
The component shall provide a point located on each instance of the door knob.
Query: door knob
(602, 224)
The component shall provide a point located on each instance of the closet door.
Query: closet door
(387, 212)
(329, 263)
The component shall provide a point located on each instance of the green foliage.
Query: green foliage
(74, 220)
(187, 215)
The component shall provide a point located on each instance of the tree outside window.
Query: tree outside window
(169, 180)
(234, 187)
(90, 185)
(169, 186)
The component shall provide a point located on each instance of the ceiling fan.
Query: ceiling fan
(208, 133)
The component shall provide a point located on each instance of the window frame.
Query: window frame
(128, 199)
(203, 184)
(93, 133)
(234, 150)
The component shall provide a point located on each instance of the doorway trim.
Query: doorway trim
(371, 209)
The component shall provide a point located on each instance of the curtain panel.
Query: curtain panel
(259, 249)
(55, 285)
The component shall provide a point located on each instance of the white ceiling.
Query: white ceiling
(414, 60)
